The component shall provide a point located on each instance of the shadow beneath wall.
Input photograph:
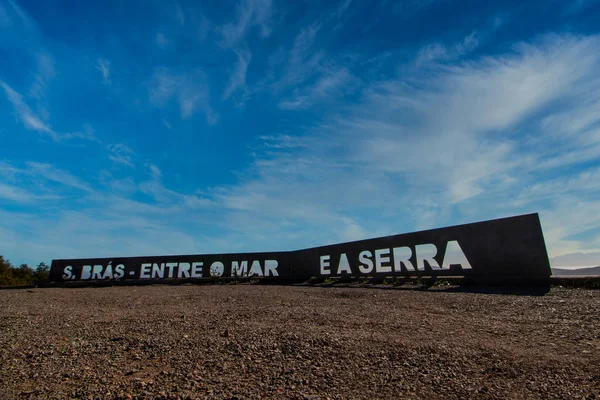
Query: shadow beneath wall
(423, 284)
(512, 290)
(17, 287)
(534, 290)
(433, 284)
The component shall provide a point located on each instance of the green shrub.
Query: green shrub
(23, 274)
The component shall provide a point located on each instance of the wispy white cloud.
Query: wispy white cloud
(302, 44)
(342, 8)
(341, 14)
(189, 90)
(179, 14)
(45, 72)
(568, 217)
(155, 172)
(312, 75)
(78, 234)
(54, 174)
(302, 61)
(22, 196)
(37, 121)
(13, 193)
(16, 20)
(249, 13)
(578, 259)
(103, 66)
(238, 76)
(162, 41)
(25, 115)
(108, 201)
(204, 27)
(438, 52)
(331, 83)
(23, 16)
(174, 201)
(282, 141)
(37, 182)
(120, 154)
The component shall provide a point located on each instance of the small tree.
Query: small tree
(42, 273)
(5, 272)
(24, 273)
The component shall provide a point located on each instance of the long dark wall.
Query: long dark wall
(508, 249)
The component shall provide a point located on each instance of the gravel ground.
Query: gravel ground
(255, 341)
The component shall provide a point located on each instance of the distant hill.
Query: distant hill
(591, 271)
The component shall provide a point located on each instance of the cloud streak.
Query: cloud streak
(25, 115)
(238, 77)
(23, 16)
(120, 154)
(249, 13)
(331, 84)
(438, 52)
(103, 66)
(189, 90)
(43, 76)
(161, 40)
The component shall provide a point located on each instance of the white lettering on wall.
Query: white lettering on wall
(86, 272)
(402, 256)
(145, 271)
(67, 272)
(184, 270)
(271, 267)
(397, 259)
(426, 252)
(158, 270)
(381, 257)
(119, 271)
(171, 265)
(239, 268)
(108, 272)
(197, 269)
(455, 256)
(97, 272)
(256, 269)
(366, 266)
(324, 262)
(344, 265)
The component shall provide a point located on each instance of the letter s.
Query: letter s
(67, 273)
(367, 264)
(119, 271)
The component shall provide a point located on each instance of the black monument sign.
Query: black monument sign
(508, 249)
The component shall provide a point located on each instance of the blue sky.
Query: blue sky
(173, 127)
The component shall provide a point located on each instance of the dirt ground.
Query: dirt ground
(305, 342)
